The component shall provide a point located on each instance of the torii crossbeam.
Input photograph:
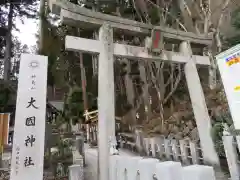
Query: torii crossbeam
(75, 15)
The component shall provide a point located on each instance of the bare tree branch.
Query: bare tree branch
(176, 82)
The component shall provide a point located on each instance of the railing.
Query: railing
(231, 147)
(185, 151)
(138, 168)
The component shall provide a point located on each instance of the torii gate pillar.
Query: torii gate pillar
(199, 106)
(106, 101)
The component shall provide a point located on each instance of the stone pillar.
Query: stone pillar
(79, 143)
(94, 133)
(169, 170)
(76, 172)
(147, 167)
(232, 157)
(106, 101)
(198, 172)
(88, 132)
(199, 106)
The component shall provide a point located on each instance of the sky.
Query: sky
(28, 30)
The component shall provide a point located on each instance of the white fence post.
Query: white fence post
(76, 172)
(169, 170)
(231, 156)
(194, 154)
(94, 133)
(167, 148)
(127, 167)
(137, 168)
(153, 146)
(147, 168)
(238, 142)
(114, 167)
(184, 153)
(160, 147)
(139, 141)
(147, 145)
(121, 168)
(198, 172)
(175, 149)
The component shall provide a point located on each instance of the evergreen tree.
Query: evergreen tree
(10, 46)
(9, 9)
(236, 23)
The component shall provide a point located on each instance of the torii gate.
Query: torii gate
(107, 50)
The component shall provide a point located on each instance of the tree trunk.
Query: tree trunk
(188, 22)
(84, 83)
(142, 70)
(219, 23)
(95, 58)
(84, 94)
(158, 84)
(130, 92)
(8, 52)
(217, 47)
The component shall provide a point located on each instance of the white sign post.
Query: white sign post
(29, 130)
(229, 67)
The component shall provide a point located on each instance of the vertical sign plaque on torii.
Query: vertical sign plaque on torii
(29, 130)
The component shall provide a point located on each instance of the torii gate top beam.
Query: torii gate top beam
(131, 52)
(75, 15)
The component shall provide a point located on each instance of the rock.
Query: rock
(171, 136)
(170, 127)
(194, 134)
(217, 111)
(186, 130)
(175, 129)
(179, 135)
(165, 131)
(190, 124)
(156, 129)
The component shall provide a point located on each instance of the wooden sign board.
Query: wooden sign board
(4, 128)
(29, 130)
(229, 67)
(157, 41)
